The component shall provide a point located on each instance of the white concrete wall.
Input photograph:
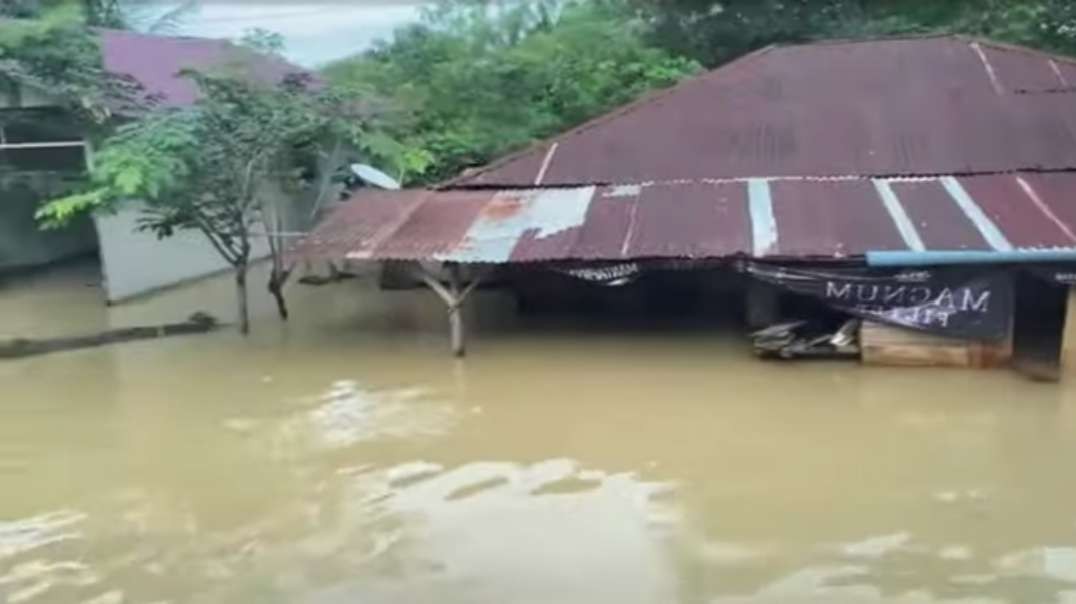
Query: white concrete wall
(134, 263)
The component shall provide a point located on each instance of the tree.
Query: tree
(58, 54)
(263, 41)
(230, 167)
(714, 32)
(474, 81)
(118, 14)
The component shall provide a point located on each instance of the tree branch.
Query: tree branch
(219, 246)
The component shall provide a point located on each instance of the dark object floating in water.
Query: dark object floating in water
(803, 340)
(199, 322)
(335, 275)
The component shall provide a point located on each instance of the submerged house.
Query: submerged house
(898, 180)
(40, 149)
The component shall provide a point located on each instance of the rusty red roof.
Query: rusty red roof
(705, 219)
(921, 106)
(155, 62)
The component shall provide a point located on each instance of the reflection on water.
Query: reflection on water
(346, 458)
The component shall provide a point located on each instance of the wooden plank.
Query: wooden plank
(883, 345)
(26, 347)
(1068, 338)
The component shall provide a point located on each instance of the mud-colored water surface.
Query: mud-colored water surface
(346, 458)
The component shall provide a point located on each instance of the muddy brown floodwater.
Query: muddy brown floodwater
(347, 458)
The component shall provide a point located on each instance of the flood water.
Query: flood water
(346, 458)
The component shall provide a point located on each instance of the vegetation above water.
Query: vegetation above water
(472, 82)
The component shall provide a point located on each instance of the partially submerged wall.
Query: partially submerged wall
(134, 262)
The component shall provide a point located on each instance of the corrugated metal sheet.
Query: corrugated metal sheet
(924, 106)
(701, 219)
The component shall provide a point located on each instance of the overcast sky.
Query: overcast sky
(315, 32)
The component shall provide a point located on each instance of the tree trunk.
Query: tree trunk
(456, 332)
(243, 317)
(455, 316)
(277, 279)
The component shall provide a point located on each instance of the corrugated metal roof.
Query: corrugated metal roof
(787, 217)
(941, 105)
(156, 62)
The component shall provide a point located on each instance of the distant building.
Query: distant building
(43, 148)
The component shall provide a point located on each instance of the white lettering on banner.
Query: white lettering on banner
(963, 299)
(909, 315)
(925, 295)
(839, 292)
(862, 297)
(894, 295)
(980, 305)
(945, 298)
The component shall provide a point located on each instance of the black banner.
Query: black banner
(1058, 274)
(951, 302)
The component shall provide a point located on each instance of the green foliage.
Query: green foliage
(57, 54)
(472, 82)
(263, 41)
(220, 166)
(206, 167)
(1046, 24)
(144, 159)
(190, 165)
(715, 32)
(117, 14)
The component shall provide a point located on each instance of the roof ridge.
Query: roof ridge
(645, 100)
(868, 40)
(998, 45)
(153, 36)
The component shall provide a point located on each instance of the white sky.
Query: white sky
(315, 32)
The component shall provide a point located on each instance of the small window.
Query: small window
(40, 140)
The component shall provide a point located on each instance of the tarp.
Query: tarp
(962, 303)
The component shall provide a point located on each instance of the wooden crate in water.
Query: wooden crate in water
(883, 345)
(1068, 341)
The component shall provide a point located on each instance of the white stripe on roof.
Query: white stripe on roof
(990, 231)
(904, 223)
(763, 222)
(1033, 195)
